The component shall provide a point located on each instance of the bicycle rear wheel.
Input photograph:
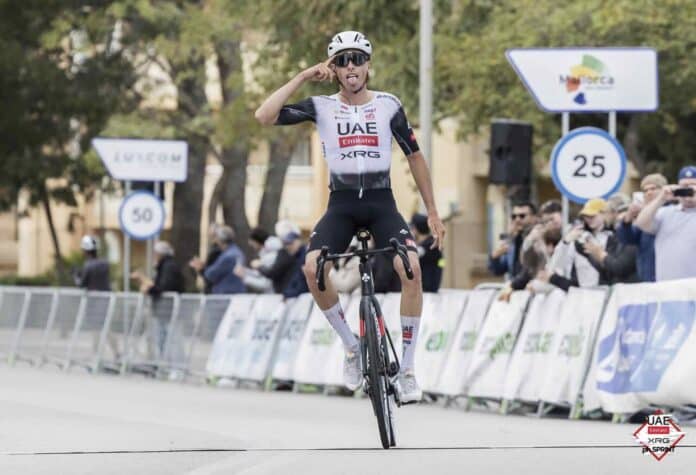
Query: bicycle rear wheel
(378, 382)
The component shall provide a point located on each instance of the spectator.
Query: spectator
(168, 278)
(550, 239)
(569, 264)
(257, 239)
(431, 261)
(345, 274)
(628, 233)
(214, 252)
(253, 278)
(289, 234)
(505, 259)
(95, 276)
(616, 262)
(674, 227)
(221, 273)
(95, 271)
(551, 215)
(533, 256)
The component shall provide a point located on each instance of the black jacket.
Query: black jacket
(431, 270)
(282, 271)
(618, 267)
(168, 277)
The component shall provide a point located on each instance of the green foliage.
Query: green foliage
(475, 83)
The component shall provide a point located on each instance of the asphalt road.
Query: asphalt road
(56, 423)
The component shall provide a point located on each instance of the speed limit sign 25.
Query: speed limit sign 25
(588, 163)
(142, 215)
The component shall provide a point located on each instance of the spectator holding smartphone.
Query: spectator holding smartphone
(674, 227)
(505, 258)
(628, 233)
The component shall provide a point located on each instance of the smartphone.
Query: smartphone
(503, 236)
(683, 192)
(638, 197)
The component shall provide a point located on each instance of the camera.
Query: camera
(683, 192)
(585, 237)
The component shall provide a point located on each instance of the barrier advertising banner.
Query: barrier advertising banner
(571, 351)
(646, 347)
(494, 346)
(456, 365)
(316, 348)
(290, 336)
(260, 337)
(530, 359)
(441, 316)
(228, 339)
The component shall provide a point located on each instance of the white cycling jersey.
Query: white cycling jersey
(356, 139)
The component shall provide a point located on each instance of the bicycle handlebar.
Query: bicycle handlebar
(396, 248)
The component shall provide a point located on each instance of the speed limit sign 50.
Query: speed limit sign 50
(141, 215)
(588, 163)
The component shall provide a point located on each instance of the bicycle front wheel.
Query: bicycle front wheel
(377, 377)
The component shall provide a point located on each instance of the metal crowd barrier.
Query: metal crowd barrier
(168, 337)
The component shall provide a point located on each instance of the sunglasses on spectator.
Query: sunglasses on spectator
(518, 216)
(356, 57)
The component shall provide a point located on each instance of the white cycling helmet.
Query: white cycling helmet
(349, 40)
(88, 243)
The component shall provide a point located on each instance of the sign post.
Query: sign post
(142, 214)
(581, 80)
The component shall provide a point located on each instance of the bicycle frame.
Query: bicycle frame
(368, 299)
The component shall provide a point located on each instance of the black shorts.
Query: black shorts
(346, 212)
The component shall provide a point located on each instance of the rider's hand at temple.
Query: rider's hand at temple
(319, 72)
(438, 230)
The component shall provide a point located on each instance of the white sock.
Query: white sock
(338, 321)
(409, 336)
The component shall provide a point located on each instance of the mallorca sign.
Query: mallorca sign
(589, 79)
(143, 160)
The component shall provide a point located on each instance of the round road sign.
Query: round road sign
(588, 163)
(141, 215)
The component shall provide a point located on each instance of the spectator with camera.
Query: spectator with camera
(616, 262)
(587, 254)
(628, 233)
(674, 227)
(505, 258)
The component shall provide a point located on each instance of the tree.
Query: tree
(60, 79)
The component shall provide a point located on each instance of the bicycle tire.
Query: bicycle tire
(377, 376)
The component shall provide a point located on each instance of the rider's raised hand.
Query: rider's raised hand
(319, 72)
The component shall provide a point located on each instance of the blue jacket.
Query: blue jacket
(298, 283)
(509, 262)
(220, 273)
(645, 259)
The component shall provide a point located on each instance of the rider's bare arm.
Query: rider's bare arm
(268, 112)
(421, 174)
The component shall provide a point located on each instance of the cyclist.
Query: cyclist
(356, 126)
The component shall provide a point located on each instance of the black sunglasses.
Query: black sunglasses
(520, 216)
(356, 57)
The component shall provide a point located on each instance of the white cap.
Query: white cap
(88, 243)
(287, 231)
(349, 40)
(163, 248)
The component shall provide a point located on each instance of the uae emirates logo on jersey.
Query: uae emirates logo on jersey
(351, 135)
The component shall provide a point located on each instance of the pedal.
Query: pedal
(393, 369)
